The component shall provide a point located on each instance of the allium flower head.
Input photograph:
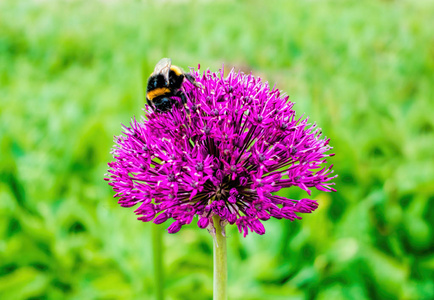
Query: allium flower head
(236, 144)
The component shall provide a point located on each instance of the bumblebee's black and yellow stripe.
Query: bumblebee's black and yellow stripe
(165, 82)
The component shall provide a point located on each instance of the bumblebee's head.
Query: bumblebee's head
(175, 78)
(163, 104)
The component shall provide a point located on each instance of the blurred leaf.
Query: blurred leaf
(22, 283)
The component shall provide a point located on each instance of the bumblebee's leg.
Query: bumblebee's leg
(181, 95)
(190, 78)
(184, 101)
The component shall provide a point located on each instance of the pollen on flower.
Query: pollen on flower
(228, 156)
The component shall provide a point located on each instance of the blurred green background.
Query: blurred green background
(71, 73)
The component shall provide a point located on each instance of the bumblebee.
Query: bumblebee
(164, 83)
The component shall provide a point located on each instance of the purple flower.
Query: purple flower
(235, 144)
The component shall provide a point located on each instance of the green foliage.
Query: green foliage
(71, 73)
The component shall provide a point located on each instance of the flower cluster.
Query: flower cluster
(226, 152)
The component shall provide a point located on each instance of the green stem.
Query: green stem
(157, 249)
(220, 263)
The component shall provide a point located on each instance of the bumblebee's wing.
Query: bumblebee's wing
(163, 67)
